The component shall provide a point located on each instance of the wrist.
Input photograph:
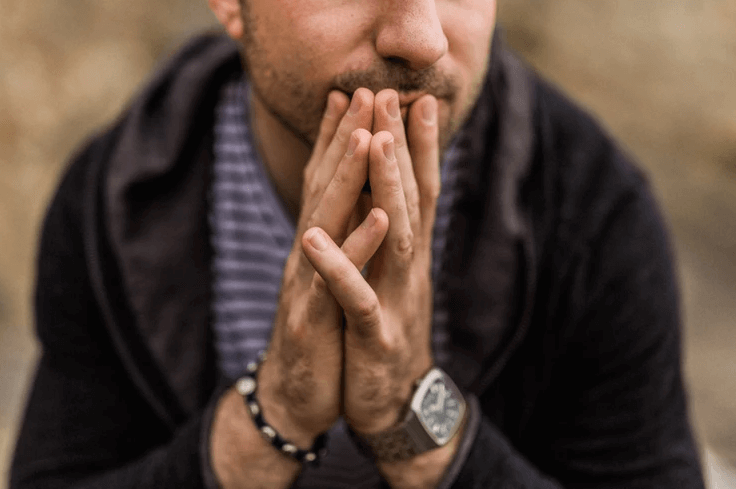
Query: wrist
(240, 456)
(434, 418)
(297, 445)
(423, 470)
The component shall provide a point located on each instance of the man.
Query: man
(530, 265)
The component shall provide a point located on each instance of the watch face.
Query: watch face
(439, 411)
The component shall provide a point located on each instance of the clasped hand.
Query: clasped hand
(318, 369)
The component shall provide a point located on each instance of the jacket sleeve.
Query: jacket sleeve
(85, 424)
(611, 412)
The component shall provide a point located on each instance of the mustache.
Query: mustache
(401, 79)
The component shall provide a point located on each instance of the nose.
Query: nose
(410, 32)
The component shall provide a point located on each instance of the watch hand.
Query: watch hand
(441, 395)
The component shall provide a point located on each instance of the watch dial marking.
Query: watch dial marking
(439, 410)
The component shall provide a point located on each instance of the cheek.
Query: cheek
(469, 33)
(320, 36)
(468, 26)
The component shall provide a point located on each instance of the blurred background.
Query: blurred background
(661, 76)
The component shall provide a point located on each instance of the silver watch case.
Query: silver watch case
(422, 436)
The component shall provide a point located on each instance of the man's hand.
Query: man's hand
(300, 384)
(388, 334)
(388, 313)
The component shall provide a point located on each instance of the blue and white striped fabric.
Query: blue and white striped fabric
(252, 235)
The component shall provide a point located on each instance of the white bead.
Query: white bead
(289, 448)
(310, 457)
(269, 432)
(252, 367)
(245, 386)
(262, 355)
(254, 409)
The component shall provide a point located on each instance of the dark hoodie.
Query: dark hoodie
(563, 307)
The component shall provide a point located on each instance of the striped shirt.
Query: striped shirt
(252, 235)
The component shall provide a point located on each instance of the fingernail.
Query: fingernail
(429, 112)
(352, 145)
(392, 107)
(388, 150)
(354, 105)
(370, 220)
(317, 240)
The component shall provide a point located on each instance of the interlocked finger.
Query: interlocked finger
(422, 131)
(358, 115)
(359, 248)
(341, 195)
(337, 105)
(388, 194)
(363, 243)
(387, 117)
(342, 276)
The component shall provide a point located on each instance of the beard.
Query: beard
(282, 84)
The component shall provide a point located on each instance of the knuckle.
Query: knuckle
(296, 328)
(342, 177)
(366, 311)
(404, 245)
(342, 135)
(387, 345)
(319, 291)
(312, 192)
(431, 191)
(392, 185)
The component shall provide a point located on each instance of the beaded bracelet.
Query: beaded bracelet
(246, 387)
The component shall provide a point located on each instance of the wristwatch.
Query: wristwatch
(433, 417)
